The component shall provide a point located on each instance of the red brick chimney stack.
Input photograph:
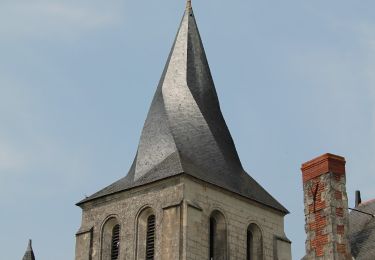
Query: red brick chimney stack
(326, 208)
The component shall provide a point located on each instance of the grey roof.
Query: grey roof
(362, 231)
(29, 254)
(185, 132)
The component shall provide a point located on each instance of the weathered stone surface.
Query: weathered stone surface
(126, 206)
(239, 213)
(84, 240)
(182, 206)
(172, 232)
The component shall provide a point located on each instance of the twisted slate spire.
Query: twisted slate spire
(29, 254)
(185, 132)
(184, 121)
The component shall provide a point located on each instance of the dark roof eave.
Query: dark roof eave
(284, 210)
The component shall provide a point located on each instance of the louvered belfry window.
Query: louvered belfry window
(115, 245)
(150, 239)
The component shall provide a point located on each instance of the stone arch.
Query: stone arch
(110, 239)
(254, 242)
(218, 246)
(145, 234)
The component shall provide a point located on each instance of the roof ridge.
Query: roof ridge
(367, 202)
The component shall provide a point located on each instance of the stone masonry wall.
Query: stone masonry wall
(203, 198)
(125, 207)
(182, 206)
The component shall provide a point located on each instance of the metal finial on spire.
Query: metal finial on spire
(29, 246)
(188, 4)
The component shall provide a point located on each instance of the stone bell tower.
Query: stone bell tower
(186, 195)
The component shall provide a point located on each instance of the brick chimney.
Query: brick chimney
(326, 208)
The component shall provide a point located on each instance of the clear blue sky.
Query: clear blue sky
(295, 79)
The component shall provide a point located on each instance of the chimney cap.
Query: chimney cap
(321, 158)
(323, 164)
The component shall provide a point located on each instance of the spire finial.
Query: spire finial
(188, 4)
(29, 246)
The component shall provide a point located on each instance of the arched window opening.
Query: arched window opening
(217, 237)
(150, 240)
(110, 240)
(254, 245)
(115, 246)
(146, 235)
(249, 246)
(212, 236)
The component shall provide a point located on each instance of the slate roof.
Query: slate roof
(29, 254)
(362, 232)
(185, 132)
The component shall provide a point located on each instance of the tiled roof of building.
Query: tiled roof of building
(29, 254)
(185, 132)
(362, 231)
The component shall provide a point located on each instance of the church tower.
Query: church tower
(186, 195)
